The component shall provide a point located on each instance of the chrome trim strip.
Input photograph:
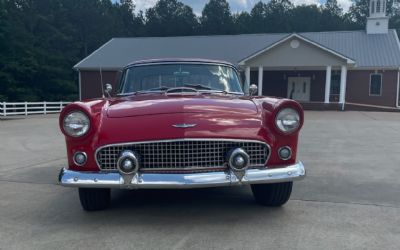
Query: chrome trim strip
(184, 139)
(180, 181)
(184, 125)
(174, 61)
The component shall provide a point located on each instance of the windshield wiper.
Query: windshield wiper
(205, 87)
(198, 86)
(162, 88)
(158, 89)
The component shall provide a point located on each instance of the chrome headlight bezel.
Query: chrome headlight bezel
(76, 124)
(288, 120)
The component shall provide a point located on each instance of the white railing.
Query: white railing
(29, 108)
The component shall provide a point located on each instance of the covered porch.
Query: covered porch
(299, 69)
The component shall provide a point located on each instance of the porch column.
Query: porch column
(328, 83)
(343, 78)
(247, 83)
(260, 79)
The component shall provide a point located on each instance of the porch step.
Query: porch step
(347, 107)
(367, 107)
(321, 106)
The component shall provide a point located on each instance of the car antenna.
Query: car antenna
(101, 83)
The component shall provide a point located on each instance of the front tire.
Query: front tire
(93, 199)
(274, 195)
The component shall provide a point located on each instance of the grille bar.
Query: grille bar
(182, 154)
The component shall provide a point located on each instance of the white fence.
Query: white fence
(28, 108)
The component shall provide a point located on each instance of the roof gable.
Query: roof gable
(292, 36)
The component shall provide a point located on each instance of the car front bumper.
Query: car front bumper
(178, 181)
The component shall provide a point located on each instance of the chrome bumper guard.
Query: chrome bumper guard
(190, 180)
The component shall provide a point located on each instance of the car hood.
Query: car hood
(153, 104)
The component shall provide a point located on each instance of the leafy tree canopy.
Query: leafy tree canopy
(216, 18)
(170, 18)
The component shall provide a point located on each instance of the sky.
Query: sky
(236, 5)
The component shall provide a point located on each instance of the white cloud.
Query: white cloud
(236, 5)
(306, 2)
(243, 3)
(248, 4)
(345, 4)
(144, 4)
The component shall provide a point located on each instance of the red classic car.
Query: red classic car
(181, 123)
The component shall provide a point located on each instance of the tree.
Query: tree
(4, 47)
(332, 16)
(170, 18)
(394, 22)
(332, 7)
(128, 24)
(259, 23)
(242, 23)
(278, 15)
(18, 64)
(40, 41)
(217, 18)
(305, 18)
(358, 13)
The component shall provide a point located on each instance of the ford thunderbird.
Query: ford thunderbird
(181, 123)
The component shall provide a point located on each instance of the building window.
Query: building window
(375, 85)
(372, 7)
(384, 6)
(378, 6)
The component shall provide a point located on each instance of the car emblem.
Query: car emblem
(184, 125)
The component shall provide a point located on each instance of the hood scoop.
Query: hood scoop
(142, 105)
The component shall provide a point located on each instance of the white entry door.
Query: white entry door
(299, 88)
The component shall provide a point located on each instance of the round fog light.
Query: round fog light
(128, 162)
(80, 158)
(238, 159)
(285, 153)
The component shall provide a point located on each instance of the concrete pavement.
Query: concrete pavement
(349, 200)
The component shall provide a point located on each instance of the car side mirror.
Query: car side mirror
(108, 89)
(253, 89)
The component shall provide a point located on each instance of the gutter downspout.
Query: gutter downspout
(398, 88)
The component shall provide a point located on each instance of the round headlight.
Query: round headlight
(287, 120)
(76, 124)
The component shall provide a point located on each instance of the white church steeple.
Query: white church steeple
(377, 22)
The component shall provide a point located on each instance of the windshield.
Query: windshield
(203, 77)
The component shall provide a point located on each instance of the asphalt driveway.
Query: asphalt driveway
(349, 200)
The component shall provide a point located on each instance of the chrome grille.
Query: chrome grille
(188, 154)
